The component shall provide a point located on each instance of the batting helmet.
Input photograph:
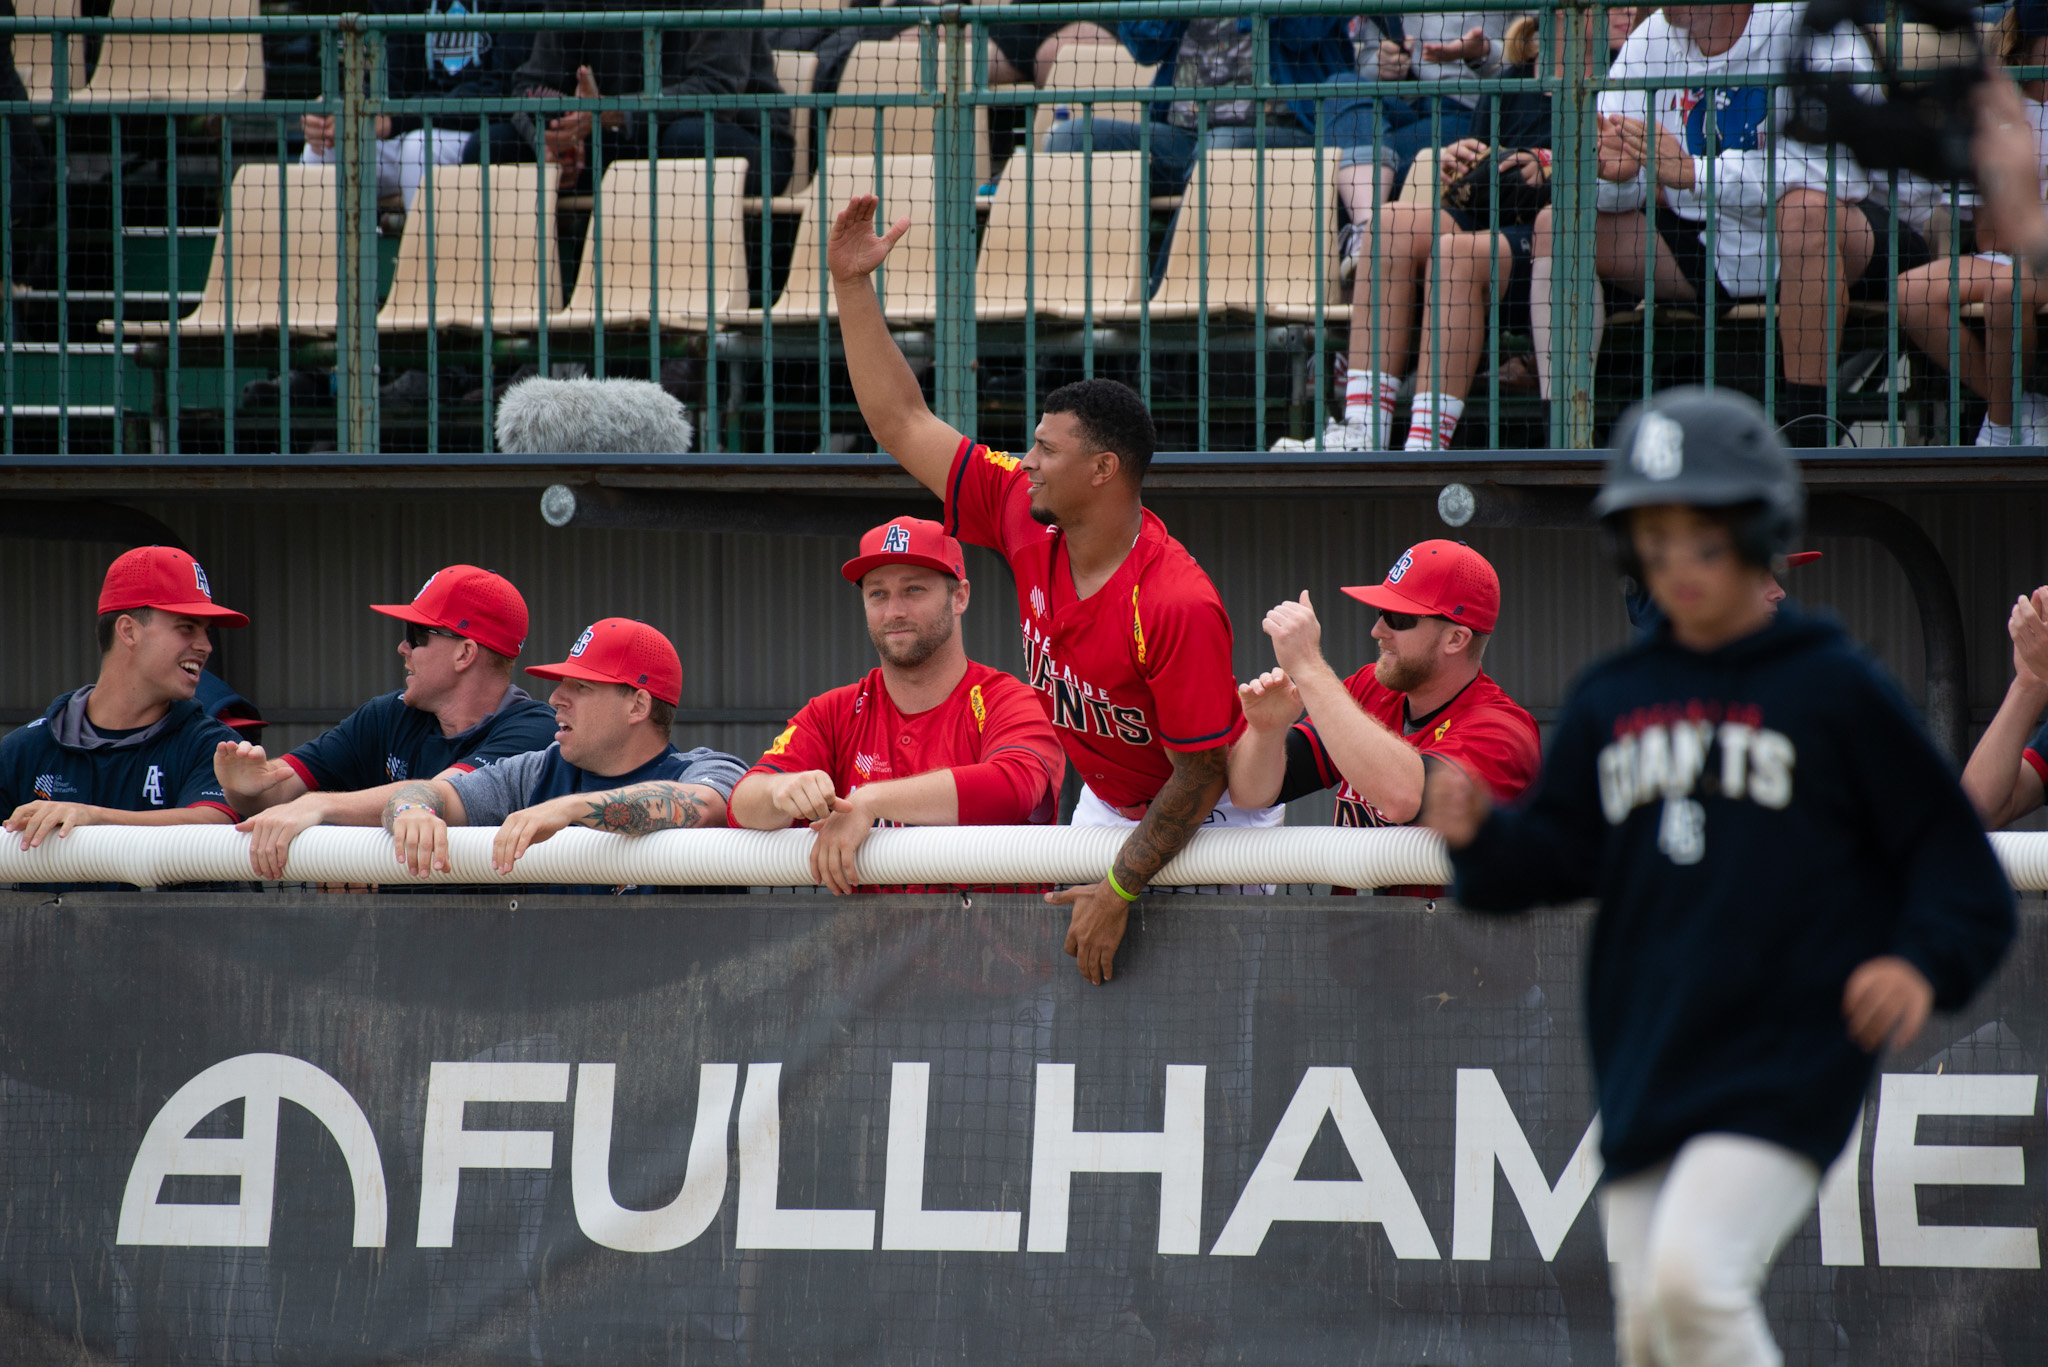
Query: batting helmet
(1704, 448)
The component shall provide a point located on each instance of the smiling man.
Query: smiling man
(1125, 638)
(133, 748)
(928, 738)
(611, 766)
(459, 710)
(1424, 701)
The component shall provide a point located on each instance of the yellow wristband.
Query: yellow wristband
(1117, 887)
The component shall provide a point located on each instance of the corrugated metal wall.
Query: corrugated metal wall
(765, 623)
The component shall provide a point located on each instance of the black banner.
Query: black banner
(901, 1130)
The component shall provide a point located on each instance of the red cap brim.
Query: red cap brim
(570, 669)
(243, 723)
(1380, 596)
(405, 612)
(857, 568)
(203, 610)
(1798, 558)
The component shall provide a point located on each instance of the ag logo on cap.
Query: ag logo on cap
(429, 584)
(895, 541)
(199, 575)
(1659, 449)
(1400, 567)
(582, 642)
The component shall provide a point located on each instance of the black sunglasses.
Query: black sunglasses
(1405, 621)
(416, 635)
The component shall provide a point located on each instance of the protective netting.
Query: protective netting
(1313, 232)
(891, 1082)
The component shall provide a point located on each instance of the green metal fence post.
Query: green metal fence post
(953, 380)
(1572, 365)
(356, 325)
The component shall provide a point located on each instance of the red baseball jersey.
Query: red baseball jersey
(1483, 731)
(989, 732)
(1140, 667)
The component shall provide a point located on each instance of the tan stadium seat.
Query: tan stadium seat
(521, 255)
(794, 72)
(1057, 257)
(1093, 66)
(907, 284)
(167, 66)
(892, 67)
(280, 219)
(669, 241)
(34, 53)
(1291, 236)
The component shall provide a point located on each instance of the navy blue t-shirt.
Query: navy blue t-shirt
(59, 758)
(384, 741)
(495, 791)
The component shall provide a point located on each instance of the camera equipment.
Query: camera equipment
(1916, 111)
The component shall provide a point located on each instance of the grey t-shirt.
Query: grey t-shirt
(497, 790)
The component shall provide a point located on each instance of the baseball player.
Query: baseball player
(1644, 615)
(132, 748)
(1788, 877)
(459, 710)
(2006, 773)
(1425, 701)
(928, 738)
(1124, 636)
(610, 767)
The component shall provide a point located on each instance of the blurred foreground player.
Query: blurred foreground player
(133, 748)
(1788, 876)
(928, 738)
(1125, 638)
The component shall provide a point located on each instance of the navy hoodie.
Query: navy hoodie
(1756, 821)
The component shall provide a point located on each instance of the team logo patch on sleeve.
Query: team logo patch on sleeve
(781, 745)
(1005, 463)
(1137, 625)
(980, 708)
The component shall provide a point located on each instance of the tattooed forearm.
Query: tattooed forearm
(414, 795)
(646, 807)
(1183, 804)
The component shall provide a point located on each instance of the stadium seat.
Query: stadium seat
(521, 238)
(280, 222)
(1093, 66)
(34, 53)
(908, 283)
(1236, 214)
(794, 72)
(173, 66)
(1046, 253)
(668, 276)
(892, 67)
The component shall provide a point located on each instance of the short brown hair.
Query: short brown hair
(104, 628)
(661, 715)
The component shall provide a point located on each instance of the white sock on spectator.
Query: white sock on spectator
(1994, 433)
(1369, 400)
(1432, 420)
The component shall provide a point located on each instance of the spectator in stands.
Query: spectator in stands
(440, 65)
(132, 748)
(459, 710)
(1759, 179)
(587, 63)
(2008, 771)
(1207, 53)
(1425, 700)
(928, 738)
(1991, 277)
(1438, 261)
(31, 173)
(611, 766)
(1022, 52)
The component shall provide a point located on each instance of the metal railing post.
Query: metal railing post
(953, 379)
(356, 324)
(1571, 239)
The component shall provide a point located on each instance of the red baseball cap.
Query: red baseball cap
(622, 651)
(469, 602)
(1439, 579)
(907, 541)
(165, 578)
(1798, 558)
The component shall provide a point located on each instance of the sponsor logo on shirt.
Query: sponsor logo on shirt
(396, 769)
(781, 745)
(1079, 706)
(980, 708)
(1005, 463)
(1675, 755)
(1739, 115)
(1440, 730)
(1037, 601)
(153, 785)
(50, 786)
(865, 763)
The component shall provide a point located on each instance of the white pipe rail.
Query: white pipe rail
(1391, 856)
(155, 856)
